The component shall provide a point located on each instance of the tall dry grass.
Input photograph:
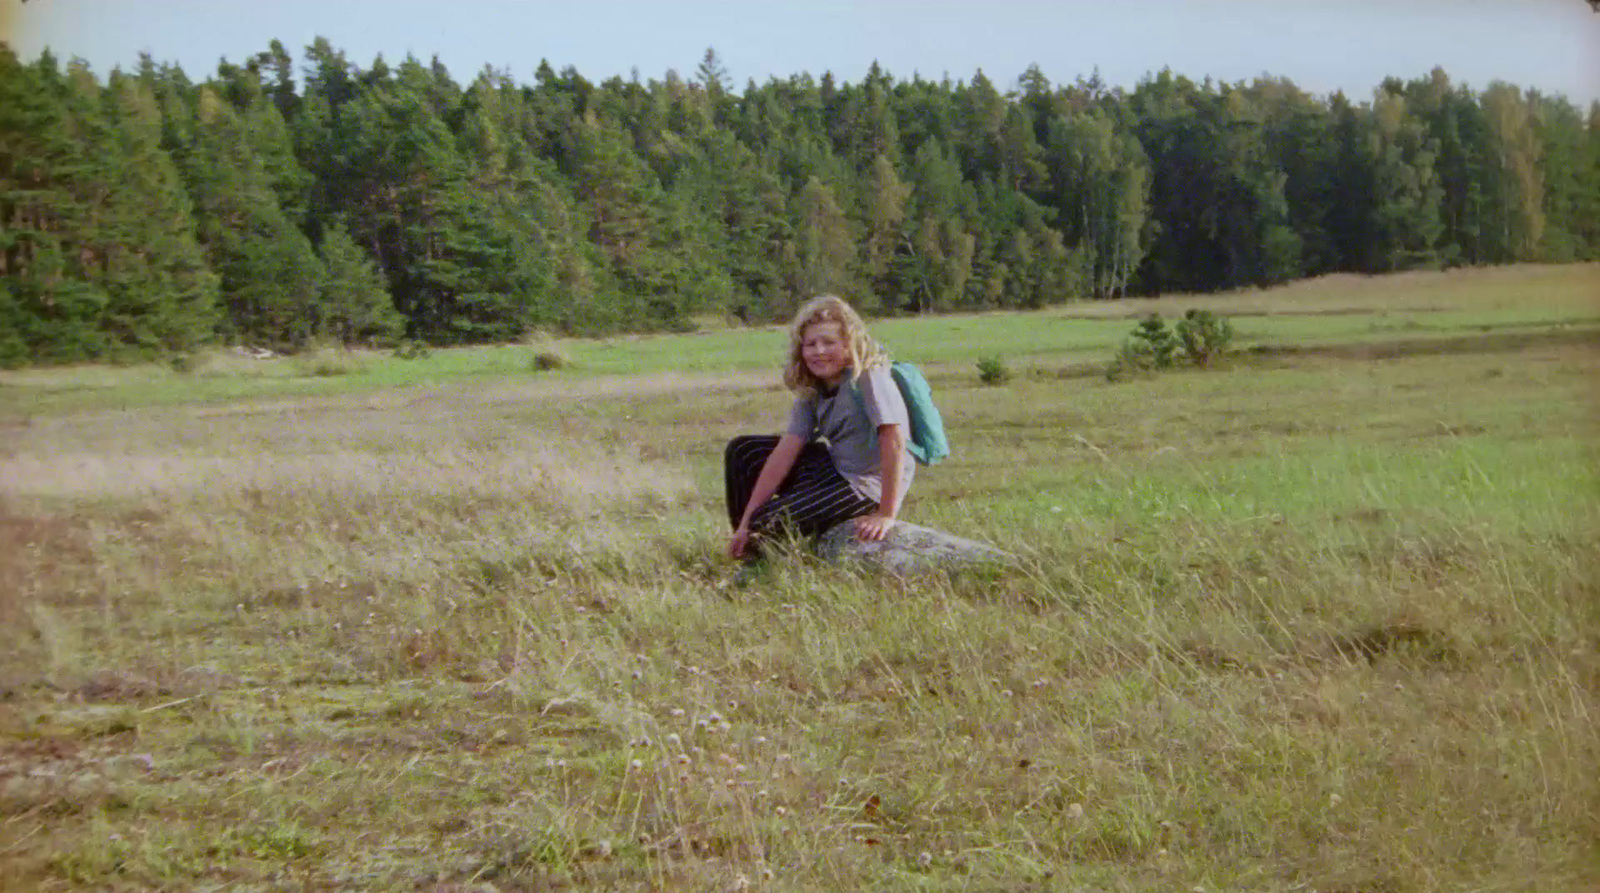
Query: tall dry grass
(1324, 625)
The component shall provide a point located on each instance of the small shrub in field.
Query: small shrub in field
(1201, 335)
(546, 360)
(1149, 347)
(993, 371)
(411, 350)
(1152, 333)
(183, 363)
(1204, 336)
(327, 363)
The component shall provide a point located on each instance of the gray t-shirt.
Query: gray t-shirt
(852, 436)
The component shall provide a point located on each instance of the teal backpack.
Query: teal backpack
(927, 442)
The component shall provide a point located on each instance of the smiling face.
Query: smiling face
(825, 351)
(828, 343)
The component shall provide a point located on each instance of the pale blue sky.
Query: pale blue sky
(1344, 44)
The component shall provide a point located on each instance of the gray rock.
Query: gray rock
(907, 548)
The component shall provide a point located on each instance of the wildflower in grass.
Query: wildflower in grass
(924, 859)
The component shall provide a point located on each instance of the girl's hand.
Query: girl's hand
(737, 542)
(873, 527)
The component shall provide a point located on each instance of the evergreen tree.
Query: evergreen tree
(884, 223)
(825, 252)
(712, 78)
(1021, 159)
(866, 125)
(162, 297)
(49, 310)
(355, 306)
(981, 113)
(98, 249)
(270, 276)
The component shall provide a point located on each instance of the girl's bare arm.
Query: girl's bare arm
(891, 449)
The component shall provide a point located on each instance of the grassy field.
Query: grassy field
(1329, 311)
(1326, 618)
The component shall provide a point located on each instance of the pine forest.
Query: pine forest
(284, 205)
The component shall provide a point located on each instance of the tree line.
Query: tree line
(146, 214)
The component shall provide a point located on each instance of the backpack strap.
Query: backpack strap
(861, 401)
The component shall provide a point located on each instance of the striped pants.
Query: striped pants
(813, 498)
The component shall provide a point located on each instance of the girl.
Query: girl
(845, 395)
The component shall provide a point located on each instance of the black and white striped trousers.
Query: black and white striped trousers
(812, 498)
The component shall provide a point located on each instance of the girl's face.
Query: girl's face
(824, 350)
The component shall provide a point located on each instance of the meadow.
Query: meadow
(1325, 617)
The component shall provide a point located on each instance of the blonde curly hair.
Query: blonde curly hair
(864, 352)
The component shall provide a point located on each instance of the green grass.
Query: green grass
(1303, 622)
(1334, 311)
